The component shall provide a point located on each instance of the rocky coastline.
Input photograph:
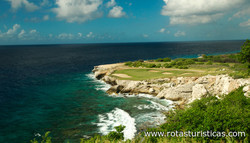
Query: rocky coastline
(183, 90)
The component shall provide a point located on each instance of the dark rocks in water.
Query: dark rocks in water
(115, 89)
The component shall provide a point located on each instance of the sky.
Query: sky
(115, 21)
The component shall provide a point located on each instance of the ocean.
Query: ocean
(51, 88)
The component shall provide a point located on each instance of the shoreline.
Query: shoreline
(180, 90)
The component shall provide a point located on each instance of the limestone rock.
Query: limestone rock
(198, 91)
(246, 91)
(114, 89)
(177, 93)
(100, 74)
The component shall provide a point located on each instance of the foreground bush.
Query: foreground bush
(232, 113)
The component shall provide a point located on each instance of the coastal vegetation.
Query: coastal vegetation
(236, 65)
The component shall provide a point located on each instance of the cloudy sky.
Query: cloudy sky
(101, 21)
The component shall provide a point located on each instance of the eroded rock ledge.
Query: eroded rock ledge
(184, 89)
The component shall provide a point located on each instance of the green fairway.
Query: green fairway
(194, 70)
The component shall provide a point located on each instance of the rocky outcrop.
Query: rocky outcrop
(180, 92)
(185, 89)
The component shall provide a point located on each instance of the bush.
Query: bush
(128, 64)
(151, 65)
(166, 65)
(189, 61)
(209, 63)
(231, 113)
(44, 139)
(167, 59)
(244, 55)
(163, 59)
(118, 134)
(159, 60)
(158, 65)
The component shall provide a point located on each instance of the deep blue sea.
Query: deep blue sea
(51, 88)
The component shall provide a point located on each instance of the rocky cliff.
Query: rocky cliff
(185, 89)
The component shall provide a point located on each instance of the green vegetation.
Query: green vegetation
(236, 65)
(44, 139)
(244, 55)
(144, 74)
(117, 135)
(163, 60)
(230, 113)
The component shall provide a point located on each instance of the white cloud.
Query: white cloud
(145, 35)
(162, 30)
(21, 34)
(46, 17)
(77, 10)
(179, 34)
(111, 3)
(80, 34)
(64, 36)
(245, 24)
(29, 6)
(198, 11)
(14, 33)
(90, 35)
(33, 31)
(116, 12)
(13, 30)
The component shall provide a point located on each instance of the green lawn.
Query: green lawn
(144, 74)
(194, 70)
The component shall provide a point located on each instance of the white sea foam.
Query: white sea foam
(117, 117)
(153, 105)
(101, 85)
(150, 119)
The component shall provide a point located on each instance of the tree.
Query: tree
(244, 55)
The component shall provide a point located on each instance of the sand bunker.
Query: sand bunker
(122, 75)
(153, 71)
(167, 73)
(186, 73)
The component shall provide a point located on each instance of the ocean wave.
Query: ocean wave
(153, 105)
(100, 85)
(117, 117)
(150, 119)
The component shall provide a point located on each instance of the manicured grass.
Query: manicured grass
(194, 70)
(144, 74)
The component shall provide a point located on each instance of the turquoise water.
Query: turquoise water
(51, 88)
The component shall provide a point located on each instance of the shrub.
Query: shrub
(158, 65)
(151, 65)
(128, 63)
(118, 134)
(166, 65)
(166, 59)
(44, 139)
(189, 61)
(209, 63)
(244, 55)
(231, 113)
(159, 60)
